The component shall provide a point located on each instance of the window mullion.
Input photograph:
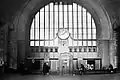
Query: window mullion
(44, 26)
(68, 17)
(34, 30)
(39, 28)
(53, 22)
(49, 24)
(58, 17)
(86, 28)
(63, 13)
(82, 23)
(77, 25)
(91, 33)
(72, 24)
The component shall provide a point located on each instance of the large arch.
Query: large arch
(25, 15)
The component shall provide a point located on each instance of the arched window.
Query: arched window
(57, 15)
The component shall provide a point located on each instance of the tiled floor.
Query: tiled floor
(56, 77)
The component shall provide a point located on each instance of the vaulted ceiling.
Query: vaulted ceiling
(8, 8)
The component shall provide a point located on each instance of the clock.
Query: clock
(63, 34)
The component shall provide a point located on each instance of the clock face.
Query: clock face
(63, 34)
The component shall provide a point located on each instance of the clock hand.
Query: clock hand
(63, 33)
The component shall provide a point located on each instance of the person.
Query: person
(44, 69)
(1, 68)
(82, 69)
(63, 70)
(47, 68)
(110, 68)
(22, 67)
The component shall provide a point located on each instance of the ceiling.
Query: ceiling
(8, 8)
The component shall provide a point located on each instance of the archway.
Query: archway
(24, 18)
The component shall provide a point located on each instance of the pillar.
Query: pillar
(103, 51)
(112, 52)
(12, 49)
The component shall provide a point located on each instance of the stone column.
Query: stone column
(103, 51)
(112, 52)
(12, 49)
(21, 49)
(105, 54)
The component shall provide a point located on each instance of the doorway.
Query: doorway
(65, 64)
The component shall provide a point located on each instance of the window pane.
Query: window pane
(51, 43)
(32, 25)
(89, 25)
(75, 31)
(80, 31)
(51, 33)
(32, 34)
(94, 43)
(89, 36)
(46, 43)
(74, 7)
(70, 7)
(75, 43)
(79, 43)
(70, 20)
(36, 43)
(46, 19)
(94, 36)
(65, 8)
(46, 33)
(84, 31)
(56, 19)
(88, 17)
(84, 17)
(41, 33)
(84, 10)
(31, 43)
(51, 7)
(89, 43)
(84, 25)
(36, 33)
(84, 43)
(41, 43)
(70, 42)
(37, 20)
(93, 24)
(65, 20)
(89, 31)
(94, 31)
(80, 36)
(56, 42)
(84, 36)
